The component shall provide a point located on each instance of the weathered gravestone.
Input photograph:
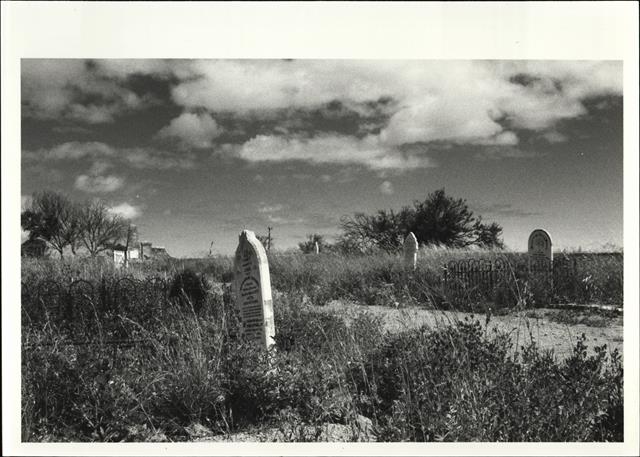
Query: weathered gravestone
(252, 287)
(316, 248)
(540, 265)
(540, 247)
(410, 251)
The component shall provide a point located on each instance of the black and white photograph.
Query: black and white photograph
(246, 249)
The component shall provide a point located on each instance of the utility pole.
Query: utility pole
(269, 238)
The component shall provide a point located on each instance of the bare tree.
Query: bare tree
(100, 229)
(130, 237)
(53, 218)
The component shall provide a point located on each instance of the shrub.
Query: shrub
(189, 289)
(460, 384)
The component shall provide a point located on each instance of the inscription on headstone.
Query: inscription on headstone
(540, 247)
(410, 251)
(253, 291)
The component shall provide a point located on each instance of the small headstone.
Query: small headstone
(316, 248)
(410, 251)
(252, 287)
(540, 247)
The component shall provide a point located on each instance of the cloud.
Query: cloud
(105, 156)
(126, 210)
(270, 208)
(504, 210)
(381, 105)
(386, 188)
(504, 152)
(280, 220)
(197, 130)
(553, 136)
(98, 184)
(75, 89)
(329, 149)
(74, 150)
(470, 102)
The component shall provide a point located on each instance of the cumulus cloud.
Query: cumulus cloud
(457, 101)
(386, 187)
(478, 103)
(126, 210)
(197, 130)
(330, 149)
(98, 184)
(74, 89)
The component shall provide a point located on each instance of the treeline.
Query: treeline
(439, 220)
(62, 223)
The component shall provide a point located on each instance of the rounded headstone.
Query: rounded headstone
(410, 248)
(540, 246)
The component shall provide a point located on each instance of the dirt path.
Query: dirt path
(539, 324)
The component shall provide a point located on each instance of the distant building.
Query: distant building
(150, 252)
(34, 248)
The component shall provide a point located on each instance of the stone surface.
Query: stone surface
(252, 286)
(410, 248)
(540, 247)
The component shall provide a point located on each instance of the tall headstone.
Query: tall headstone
(410, 248)
(540, 247)
(252, 287)
(316, 248)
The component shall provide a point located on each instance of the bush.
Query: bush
(189, 289)
(460, 384)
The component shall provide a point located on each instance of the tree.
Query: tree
(438, 220)
(53, 218)
(101, 230)
(381, 230)
(309, 246)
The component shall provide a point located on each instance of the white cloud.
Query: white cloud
(456, 101)
(105, 156)
(386, 188)
(284, 220)
(77, 150)
(330, 149)
(197, 130)
(270, 208)
(98, 184)
(126, 210)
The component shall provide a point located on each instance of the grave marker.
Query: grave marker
(410, 251)
(540, 247)
(252, 287)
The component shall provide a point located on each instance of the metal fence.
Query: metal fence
(507, 281)
(81, 308)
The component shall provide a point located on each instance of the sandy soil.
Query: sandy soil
(522, 326)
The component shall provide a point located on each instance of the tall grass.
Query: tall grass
(188, 371)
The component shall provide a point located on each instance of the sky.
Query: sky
(195, 151)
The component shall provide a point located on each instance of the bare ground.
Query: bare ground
(544, 325)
